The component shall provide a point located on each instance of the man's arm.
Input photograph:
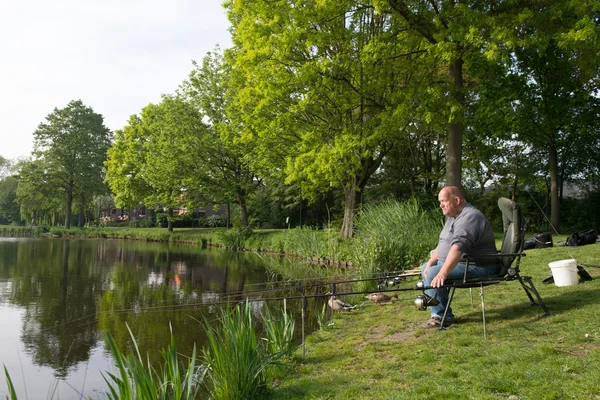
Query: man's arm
(432, 260)
(453, 258)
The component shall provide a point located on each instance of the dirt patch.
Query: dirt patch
(380, 334)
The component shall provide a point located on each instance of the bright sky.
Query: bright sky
(115, 55)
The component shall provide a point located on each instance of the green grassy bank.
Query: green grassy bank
(381, 352)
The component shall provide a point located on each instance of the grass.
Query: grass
(135, 378)
(237, 360)
(381, 352)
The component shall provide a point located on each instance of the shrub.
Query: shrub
(394, 236)
(136, 379)
(237, 360)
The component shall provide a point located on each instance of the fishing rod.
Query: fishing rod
(548, 220)
(425, 299)
(387, 277)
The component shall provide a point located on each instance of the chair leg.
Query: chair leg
(483, 311)
(531, 290)
(450, 296)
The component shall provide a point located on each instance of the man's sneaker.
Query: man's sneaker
(435, 321)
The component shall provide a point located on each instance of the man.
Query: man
(466, 231)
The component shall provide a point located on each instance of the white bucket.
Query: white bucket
(564, 272)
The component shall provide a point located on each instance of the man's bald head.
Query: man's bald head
(452, 200)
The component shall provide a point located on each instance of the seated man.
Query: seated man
(466, 231)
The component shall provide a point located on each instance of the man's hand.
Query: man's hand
(438, 280)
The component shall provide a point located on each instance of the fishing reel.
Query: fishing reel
(423, 301)
(386, 281)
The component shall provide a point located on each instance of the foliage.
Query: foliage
(225, 174)
(72, 144)
(6, 167)
(320, 90)
(37, 193)
(395, 236)
(154, 159)
(9, 209)
(137, 379)
(279, 329)
(234, 238)
(11, 388)
(236, 359)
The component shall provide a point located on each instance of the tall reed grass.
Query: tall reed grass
(11, 388)
(135, 377)
(279, 330)
(395, 236)
(236, 359)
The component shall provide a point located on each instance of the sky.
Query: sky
(117, 56)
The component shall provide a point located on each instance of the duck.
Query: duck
(337, 304)
(381, 298)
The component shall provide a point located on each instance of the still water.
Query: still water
(59, 297)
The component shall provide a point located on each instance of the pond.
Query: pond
(59, 297)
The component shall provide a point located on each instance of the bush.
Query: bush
(234, 238)
(237, 358)
(142, 223)
(395, 236)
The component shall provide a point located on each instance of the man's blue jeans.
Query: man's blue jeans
(457, 273)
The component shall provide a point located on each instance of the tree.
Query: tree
(153, 160)
(223, 159)
(5, 167)
(555, 57)
(322, 91)
(37, 193)
(72, 144)
(9, 209)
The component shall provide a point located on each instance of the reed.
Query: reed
(395, 236)
(135, 377)
(279, 330)
(236, 359)
(11, 388)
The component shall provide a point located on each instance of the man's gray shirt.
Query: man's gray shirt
(471, 232)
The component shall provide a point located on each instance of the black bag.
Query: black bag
(538, 241)
(581, 238)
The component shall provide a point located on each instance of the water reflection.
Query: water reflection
(66, 294)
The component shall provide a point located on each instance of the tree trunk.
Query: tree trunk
(455, 129)
(228, 215)
(34, 218)
(170, 220)
(554, 185)
(516, 181)
(69, 205)
(350, 201)
(81, 221)
(243, 209)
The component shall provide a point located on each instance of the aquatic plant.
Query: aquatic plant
(236, 359)
(135, 377)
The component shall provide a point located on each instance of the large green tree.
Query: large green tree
(38, 194)
(73, 143)
(9, 209)
(323, 93)
(6, 166)
(153, 159)
(223, 159)
(557, 60)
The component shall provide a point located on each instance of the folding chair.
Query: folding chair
(510, 253)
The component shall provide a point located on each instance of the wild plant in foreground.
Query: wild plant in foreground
(395, 236)
(11, 388)
(236, 359)
(137, 379)
(279, 330)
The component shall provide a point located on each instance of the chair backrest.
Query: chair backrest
(514, 231)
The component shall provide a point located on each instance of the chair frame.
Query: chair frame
(507, 274)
